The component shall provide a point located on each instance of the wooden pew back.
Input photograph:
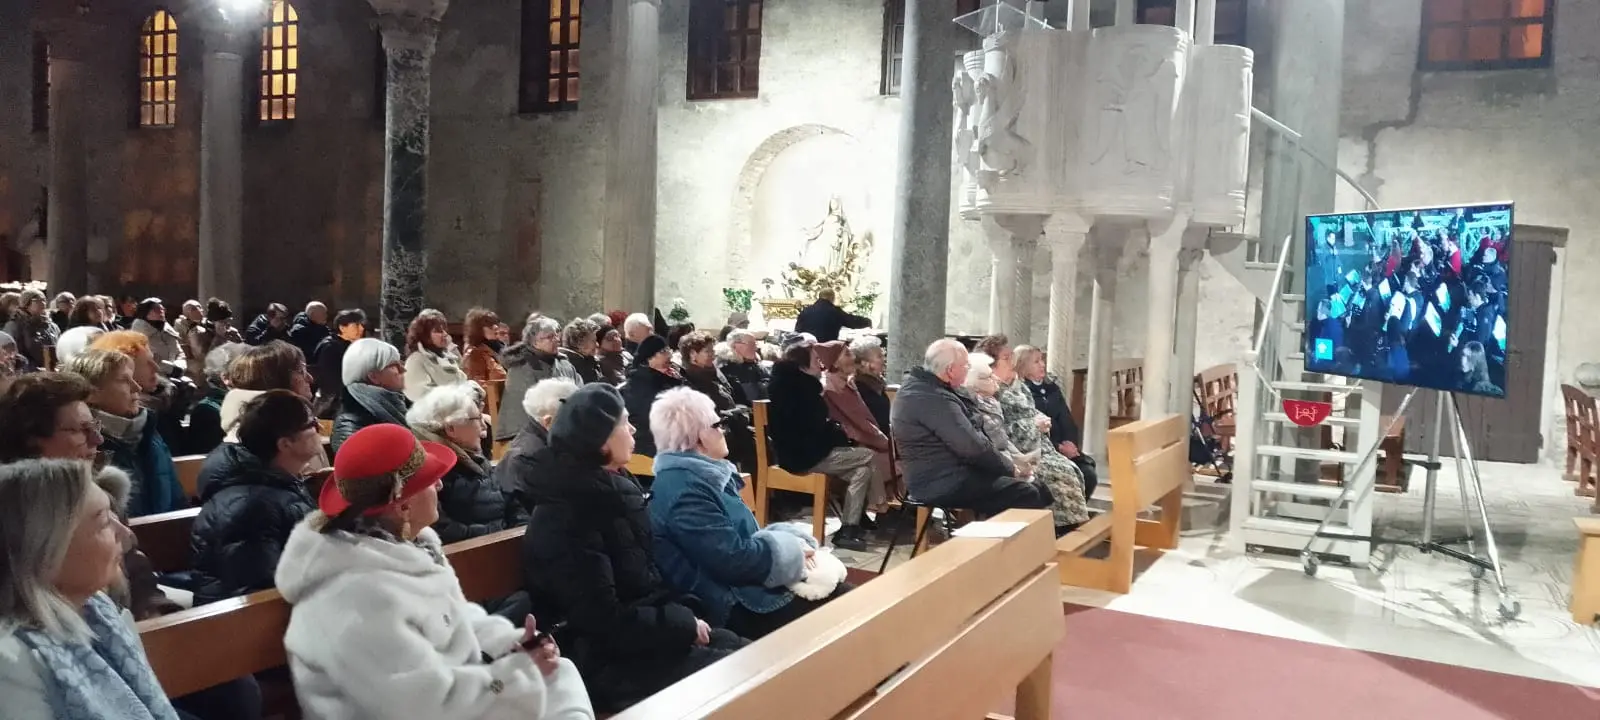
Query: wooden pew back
(212, 644)
(164, 538)
(770, 477)
(949, 630)
(1127, 387)
(188, 469)
(1583, 438)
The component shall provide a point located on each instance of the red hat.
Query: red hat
(382, 466)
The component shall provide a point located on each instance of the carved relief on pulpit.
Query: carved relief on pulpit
(1222, 86)
(1127, 138)
(1003, 151)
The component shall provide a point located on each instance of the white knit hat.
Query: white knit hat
(74, 341)
(366, 356)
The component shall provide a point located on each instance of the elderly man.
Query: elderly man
(635, 328)
(742, 366)
(807, 440)
(947, 461)
(309, 329)
(823, 319)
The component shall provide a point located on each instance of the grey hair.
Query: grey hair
(724, 352)
(545, 397)
(314, 304)
(444, 406)
(220, 357)
(40, 504)
(538, 324)
(738, 336)
(580, 329)
(600, 320)
(864, 347)
(982, 369)
(942, 355)
(1025, 354)
(96, 366)
(64, 296)
(677, 418)
(635, 320)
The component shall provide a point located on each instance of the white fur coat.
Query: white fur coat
(381, 630)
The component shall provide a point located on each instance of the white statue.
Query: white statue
(965, 96)
(1003, 151)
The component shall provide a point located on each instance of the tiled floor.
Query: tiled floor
(1404, 602)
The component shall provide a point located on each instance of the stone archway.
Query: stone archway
(741, 233)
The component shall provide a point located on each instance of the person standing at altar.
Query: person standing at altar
(823, 319)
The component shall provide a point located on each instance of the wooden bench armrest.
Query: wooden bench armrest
(1587, 526)
(1088, 535)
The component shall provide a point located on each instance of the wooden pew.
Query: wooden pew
(1149, 465)
(942, 636)
(1583, 440)
(188, 467)
(1585, 605)
(1218, 390)
(1127, 387)
(212, 644)
(164, 538)
(770, 477)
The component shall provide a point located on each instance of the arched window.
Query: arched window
(280, 63)
(549, 55)
(158, 71)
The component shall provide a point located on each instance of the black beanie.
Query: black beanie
(586, 419)
(648, 348)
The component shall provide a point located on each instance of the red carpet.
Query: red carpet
(1115, 665)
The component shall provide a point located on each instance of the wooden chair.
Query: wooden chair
(770, 477)
(1583, 439)
(1149, 465)
(164, 538)
(642, 465)
(941, 636)
(1218, 390)
(1586, 581)
(188, 468)
(212, 644)
(1127, 387)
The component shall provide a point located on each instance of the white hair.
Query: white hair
(982, 369)
(313, 305)
(41, 502)
(942, 355)
(677, 418)
(636, 320)
(539, 325)
(221, 356)
(74, 341)
(545, 397)
(444, 406)
(738, 336)
(725, 353)
(865, 346)
(364, 357)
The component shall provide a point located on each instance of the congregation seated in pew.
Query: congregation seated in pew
(515, 471)
(589, 565)
(741, 364)
(707, 542)
(128, 431)
(205, 418)
(1029, 430)
(379, 625)
(471, 503)
(947, 461)
(276, 365)
(536, 358)
(652, 373)
(700, 372)
(374, 390)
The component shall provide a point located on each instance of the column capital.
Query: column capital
(230, 29)
(416, 9)
(409, 32)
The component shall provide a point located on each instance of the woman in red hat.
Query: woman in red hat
(380, 627)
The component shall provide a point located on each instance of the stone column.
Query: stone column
(1066, 234)
(228, 36)
(1127, 12)
(1106, 244)
(1002, 291)
(920, 256)
(1183, 342)
(410, 32)
(1025, 232)
(73, 40)
(997, 312)
(629, 222)
(1166, 240)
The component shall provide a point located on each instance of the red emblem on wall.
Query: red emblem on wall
(1306, 413)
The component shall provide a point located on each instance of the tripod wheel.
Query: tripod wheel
(1477, 572)
(1308, 562)
(1510, 608)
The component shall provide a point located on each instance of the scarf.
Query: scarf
(472, 461)
(126, 430)
(385, 405)
(107, 677)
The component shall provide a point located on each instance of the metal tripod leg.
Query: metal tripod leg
(1509, 606)
(1307, 555)
(1461, 480)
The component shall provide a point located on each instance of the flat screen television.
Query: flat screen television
(1411, 297)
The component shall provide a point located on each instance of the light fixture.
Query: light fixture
(237, 9)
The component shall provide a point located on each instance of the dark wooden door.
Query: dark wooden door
(1500, 430)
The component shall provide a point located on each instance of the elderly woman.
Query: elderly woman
(516, 471)
(589, 563)
(31, 327)
(129, 433)
(66, 649)
(379, 627)
(431, 358)
(470, 503)
(479, 360)
(706, 539)
(537, 357)
(275, 365)
(374, 381)
(652, 374)
(846, 407)
(1049, 399)
(867, 351)
(167, 401)
(151, 322)
(47, 415)
(612, 360)
(214, 330)
(205, 420)
(90, 311)
(742, 366)
(579, 342)
(698, 353)
(252, 496)
(981, 388)
(1029, 429)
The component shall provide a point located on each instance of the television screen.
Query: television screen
(1411, 297)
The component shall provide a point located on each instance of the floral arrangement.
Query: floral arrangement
(679, 312)
(738, 299)
(847, 259)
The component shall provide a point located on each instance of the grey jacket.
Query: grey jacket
(525, 368)
(941, 448)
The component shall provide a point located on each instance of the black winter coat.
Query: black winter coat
(737, 425)
(638, 394)
(824, 320)
(248, 509)
(260, 331)
(327, 369)
(1049, 399)
(801, 430)
(472, 504)
(587, 561)
(749, 381)
(515, 471)
(307, 335)
(361, 405)
(587, 367)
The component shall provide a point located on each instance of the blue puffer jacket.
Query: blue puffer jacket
(707, 542)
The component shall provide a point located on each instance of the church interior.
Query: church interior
(1135, 195)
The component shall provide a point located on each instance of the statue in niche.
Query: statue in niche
(965, 96)
(1135, 118)
(1004, 152)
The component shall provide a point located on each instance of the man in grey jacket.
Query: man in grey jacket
(947, 461)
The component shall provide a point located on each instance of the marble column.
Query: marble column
(410, 31)
(997, 312)
(73, 41)
(1166, 240)
(1183, 343)
(920, 254)
(228, 36)
(1025, 234)
(1002, 291)
(1066, 235)
(629, 222)
(1106, 245)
